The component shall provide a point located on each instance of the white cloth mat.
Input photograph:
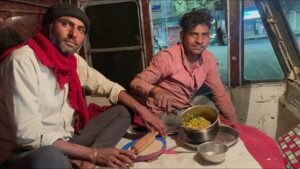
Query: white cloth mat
(237, 156)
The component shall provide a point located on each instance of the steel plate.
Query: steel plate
(226, 135)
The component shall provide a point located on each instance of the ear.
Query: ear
(181, 35)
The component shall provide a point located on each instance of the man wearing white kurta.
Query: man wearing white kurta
(37, 112)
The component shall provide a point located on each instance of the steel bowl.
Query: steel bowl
(205, 134)
(213, 152)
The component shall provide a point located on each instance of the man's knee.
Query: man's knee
(49, 157)
(123, 111)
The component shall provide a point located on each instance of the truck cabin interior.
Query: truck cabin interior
(256, 43)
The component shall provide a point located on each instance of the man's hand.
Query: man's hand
(152, 122)
(113, 157)
(162, 99)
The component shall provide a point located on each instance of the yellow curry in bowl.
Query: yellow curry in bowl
(195, 121)
(200, 123)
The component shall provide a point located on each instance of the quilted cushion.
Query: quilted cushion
(290, 147)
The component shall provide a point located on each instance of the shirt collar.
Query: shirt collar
(184, 58)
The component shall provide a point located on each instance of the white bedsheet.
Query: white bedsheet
(236, 157)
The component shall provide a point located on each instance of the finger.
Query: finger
(176, 106)
(111, 164)
(169, 106)
(159, 102)
(129, 154)
(113, 158)
(164, 130)
(126, 160)
(160, 127)
(119, 163)
(147, 125)
(155, 101)
(165, 104)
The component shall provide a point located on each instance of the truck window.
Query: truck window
(292, 14)
(165, 16)
(260, 62)
(115, 40)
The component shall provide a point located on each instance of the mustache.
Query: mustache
(199, 46)
(72, 40)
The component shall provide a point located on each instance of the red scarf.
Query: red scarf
(64, 70)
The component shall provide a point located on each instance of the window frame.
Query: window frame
(280, 35)
(141, 48)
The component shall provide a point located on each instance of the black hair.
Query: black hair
(195, 17)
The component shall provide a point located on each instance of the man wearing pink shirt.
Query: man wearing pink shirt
(176, 73)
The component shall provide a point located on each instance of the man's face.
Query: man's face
(195, 40)
(67, 34)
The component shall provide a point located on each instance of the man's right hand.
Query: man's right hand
(162, 99)
(113, 157)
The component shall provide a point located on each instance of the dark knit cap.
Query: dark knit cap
(65, 9)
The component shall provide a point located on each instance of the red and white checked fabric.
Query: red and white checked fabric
(289, 144)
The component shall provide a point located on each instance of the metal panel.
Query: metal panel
(234, 44)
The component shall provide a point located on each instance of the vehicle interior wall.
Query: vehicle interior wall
(258, 105)
(289, 109)
(265, 102)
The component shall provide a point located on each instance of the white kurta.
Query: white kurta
(32, 103)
